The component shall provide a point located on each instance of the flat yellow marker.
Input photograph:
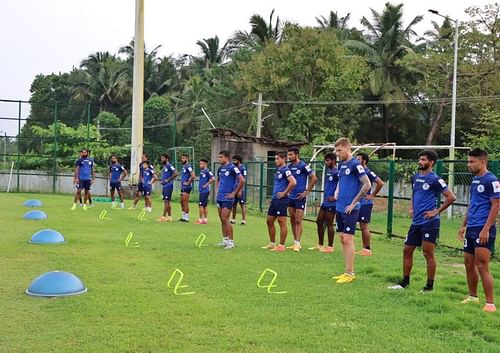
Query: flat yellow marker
(178, 284)
(271, 283)
(142, 216)
(102, 215)
(199, 241)
(131, 245)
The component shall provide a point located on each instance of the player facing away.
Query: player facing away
(228, 175)
(302, 172)
(84, 177)
(478, 231)
(140, 184)
(117, 173)
(326, 214)
(168, 174)
(187, 179)
(284, 182)
(365, 212)
(241, 197)
(206, 178)
(352, 187)
(148, 179)
(424, 229)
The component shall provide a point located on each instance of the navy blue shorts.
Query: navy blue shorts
(471, 241)
(241, 200)
(328, 208)
(346, 223)
(147, 190)
(278, 207)
(297, 204)
(115, 186)
(167, 192)
(365, 213)
(203, 199)
(186, 189)
(225, 204)
(140, 187)
(84, 184)
(423, 232)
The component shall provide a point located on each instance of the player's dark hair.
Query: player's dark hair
(430, 154)
(331, 156)
(295, 150)
(145, 155)
(225, 153)
(167, 157)
(281, 154)
(185, 155)
(478, 153)
(238, 158)
(204, 160)
(364, 156)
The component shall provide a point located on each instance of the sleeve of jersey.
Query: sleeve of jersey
(359, 170)
(236, 171)
(495, 189)
(288, 173)
(308, 169)
(210, 174)
(440, 185)
(190, 169)
(122, 168)
(372, 176)
(172, 168)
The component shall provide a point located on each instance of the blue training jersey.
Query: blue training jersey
(300, 171)
(116, 170)
(350, 173)
(85, 166)
(243, 171)
(483, 189)
(426, 190)
(186, 173)
(205, 176)
(141, 170)
(331, 180)
(281, 180)
(167, 171)
(372, 176)
(227, 175)
(147, 176)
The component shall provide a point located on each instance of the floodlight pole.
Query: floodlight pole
(137, 93)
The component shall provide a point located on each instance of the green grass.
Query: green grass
(128, 307)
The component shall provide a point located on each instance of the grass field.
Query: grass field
(129, 308)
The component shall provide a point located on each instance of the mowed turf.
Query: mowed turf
(129, 308)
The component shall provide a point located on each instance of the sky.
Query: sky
(53, 36)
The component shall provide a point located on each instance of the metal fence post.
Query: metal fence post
(88, 125)
(495, 168)
(261, 187)
(18, 144)
(390, 197)
(54, 154)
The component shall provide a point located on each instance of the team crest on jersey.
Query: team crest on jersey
(226, 173)
(330, 178)
(480, 188)
(280, 176)
(347, 171)
(425, 186)
(298, 171)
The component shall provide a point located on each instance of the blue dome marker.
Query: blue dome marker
(35, 215)
(32, 203)
(56, 284)
(47, 236)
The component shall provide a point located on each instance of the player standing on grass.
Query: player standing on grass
(301, 172)
(187, 180)
(284, 182)
(478, 231)
(117, 173)
(241, 197)
(84, 177)
(206, 178)
(424, 229)
(365, 212)
(326, 213)
(228, 175)
(140, 184)
(352, 187)
(168, 174)
(148, 179)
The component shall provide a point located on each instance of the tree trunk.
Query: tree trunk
(435, 124)
(385, 119)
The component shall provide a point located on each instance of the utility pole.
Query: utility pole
(259, 116)
(137, 93)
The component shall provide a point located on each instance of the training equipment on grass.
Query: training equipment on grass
(56, 284)
(35, 215)
(32, 203)
(199, 241)
(102, 215)
(128, 244)
(142, 216)
(47, 236)
(178, 284)
(271, 283)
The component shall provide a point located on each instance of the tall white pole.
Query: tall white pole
(259, 116)
(137, 93)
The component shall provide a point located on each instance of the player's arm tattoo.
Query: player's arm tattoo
(366, 185)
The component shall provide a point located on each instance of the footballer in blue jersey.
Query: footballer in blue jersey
(478, 231)
(168, 174)
(424, 230)
(140, 185)
(187, 179)
(326, 214)
(117, 173)
(84, 177)
(284, 182)
(206, 178)
(365, 211)
(229, 183)
(241, 197)
(305, 179)
(148, 179)
(352, 187)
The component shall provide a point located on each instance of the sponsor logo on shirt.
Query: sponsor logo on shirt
(496, 186)
(360, 169)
